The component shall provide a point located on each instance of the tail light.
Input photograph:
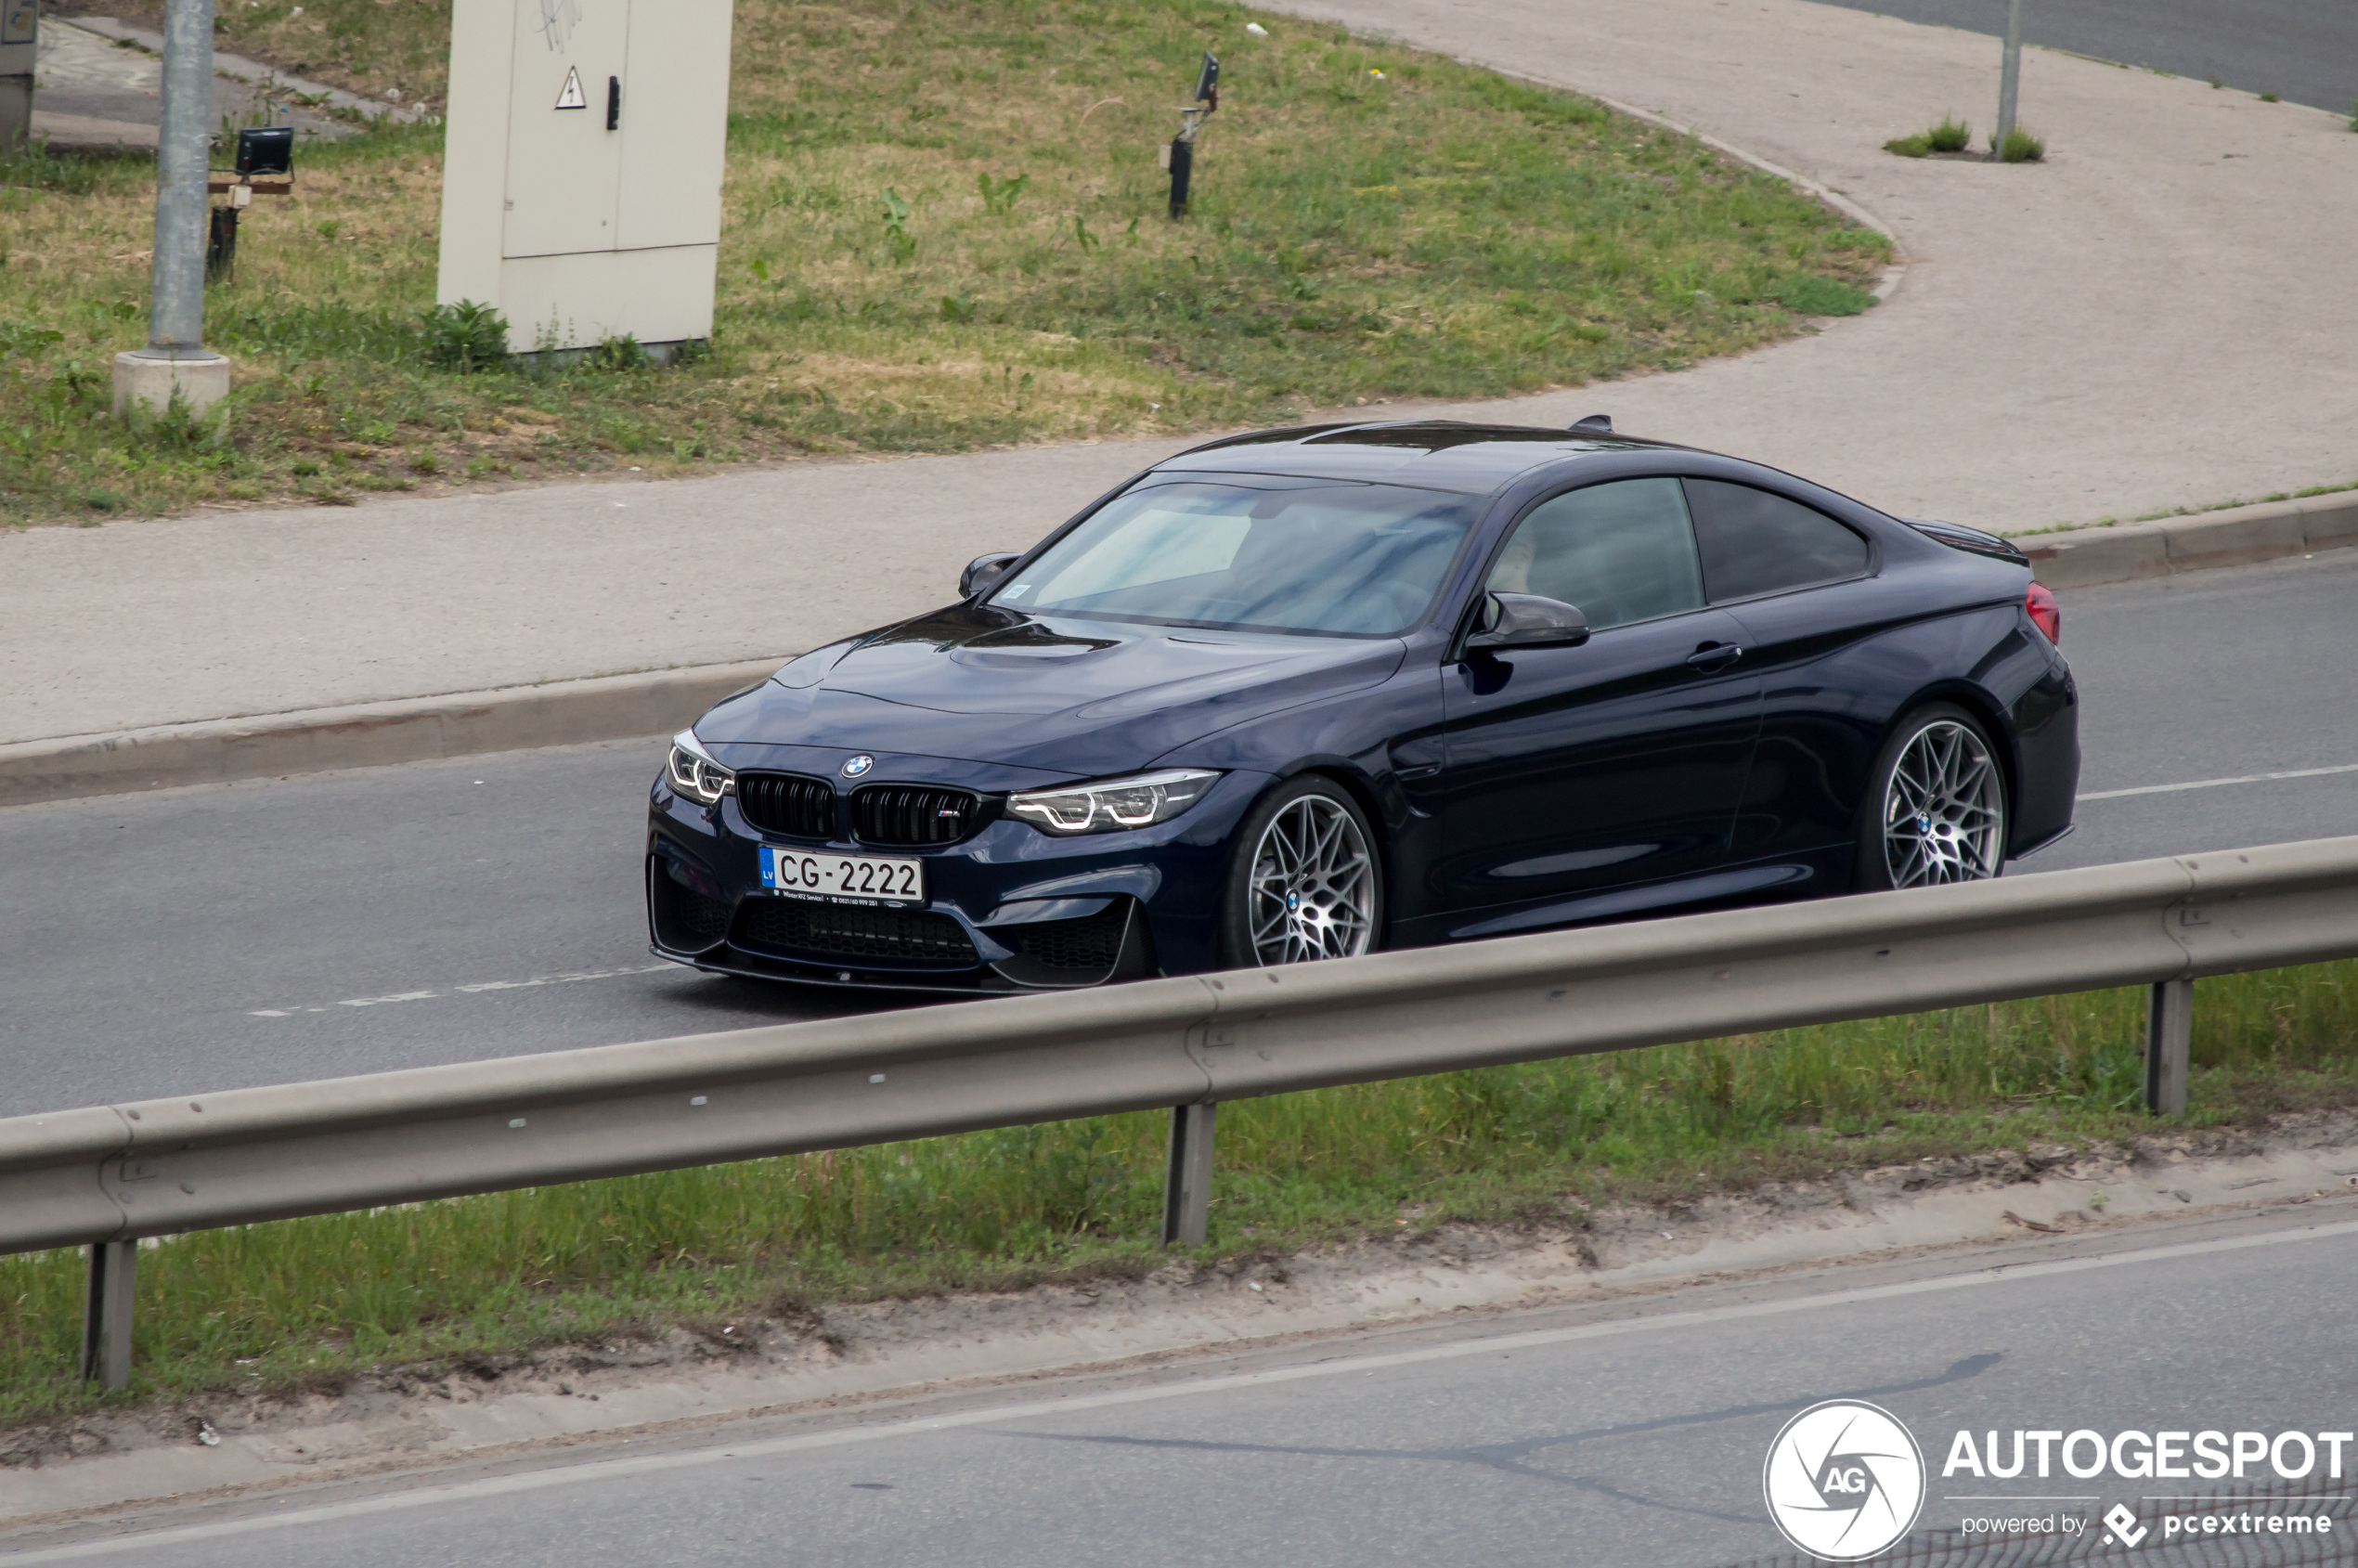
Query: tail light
(2043, 609)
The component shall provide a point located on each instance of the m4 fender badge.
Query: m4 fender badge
(857, 766)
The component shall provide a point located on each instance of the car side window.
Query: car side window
(1753, 542)
(1620, 552)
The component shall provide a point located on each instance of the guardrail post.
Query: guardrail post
(106, 1315)
(1187, 1187)
(2169, 1031)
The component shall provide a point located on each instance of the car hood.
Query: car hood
(1079, 698)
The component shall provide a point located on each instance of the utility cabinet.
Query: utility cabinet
(582, 166)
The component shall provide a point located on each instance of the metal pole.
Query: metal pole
(19, 26)
(184, 152)
(1187, 1187)
(2010, 78)
(176, 359)
(2169, 1032)
(106, 1315)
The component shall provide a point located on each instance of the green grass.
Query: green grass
(1951, 135)
(943, 228)
(303, 1302)
(2021, 147)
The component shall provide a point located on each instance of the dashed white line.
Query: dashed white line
(2218, 783)
(472, 989)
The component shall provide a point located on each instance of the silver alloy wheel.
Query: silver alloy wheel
(1944, 811)
(1313, 891)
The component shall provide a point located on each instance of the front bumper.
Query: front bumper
(1008, 910)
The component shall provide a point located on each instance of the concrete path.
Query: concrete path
(94, 93)
(2157, 317)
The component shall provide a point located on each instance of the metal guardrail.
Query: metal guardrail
(107, 1175)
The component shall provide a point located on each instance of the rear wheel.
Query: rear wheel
(1936, 807)
(1304, 883)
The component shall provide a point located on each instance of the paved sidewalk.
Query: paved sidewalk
(2159, 315)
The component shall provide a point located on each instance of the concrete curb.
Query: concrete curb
(627, 707)
(370, 734)
(243, 69)
(2232, 538)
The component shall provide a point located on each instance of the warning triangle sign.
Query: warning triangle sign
(571, 97)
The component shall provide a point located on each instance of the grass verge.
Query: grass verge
(303, 1303)
(943, 228)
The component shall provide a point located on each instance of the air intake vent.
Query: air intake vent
(799, 929)
(685, 920)
(911, 816)
(788, 803)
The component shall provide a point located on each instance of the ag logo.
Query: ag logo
(1844, 1479)
(857, 766)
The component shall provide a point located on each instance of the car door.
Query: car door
(1573, 770)
(1800, 582)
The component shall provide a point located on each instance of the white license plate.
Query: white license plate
(848, 878)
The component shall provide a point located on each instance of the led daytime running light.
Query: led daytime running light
(694, 774)
(1113, 805)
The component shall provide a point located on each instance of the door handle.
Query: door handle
(614, 103)
(1712, 658)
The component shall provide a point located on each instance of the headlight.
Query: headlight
(695, 773)
(1113, 805)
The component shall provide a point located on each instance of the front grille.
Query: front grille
(903, 936)
(911, 816)
(1092, 942)
(685, 920)
(788, 803)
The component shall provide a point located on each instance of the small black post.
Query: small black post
(1183, 159)
(106, 1314)
(221, 245)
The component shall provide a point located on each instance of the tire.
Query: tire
(1304, 880)
(1935, 808)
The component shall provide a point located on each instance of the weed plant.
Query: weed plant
(302, 1302)
(943, 228)
(2021, 147)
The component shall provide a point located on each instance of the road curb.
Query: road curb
(2083, 557)
(370, 734)
(627, 707)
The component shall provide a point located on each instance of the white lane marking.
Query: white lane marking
(468, 990)
(725, 1449)
(2219, 783)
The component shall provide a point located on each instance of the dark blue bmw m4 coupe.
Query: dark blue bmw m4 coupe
(1312, 692)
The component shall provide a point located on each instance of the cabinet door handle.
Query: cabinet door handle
(614, 103)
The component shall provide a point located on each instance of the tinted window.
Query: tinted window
(1621, 553)
(1363, 560)
(1753, 542)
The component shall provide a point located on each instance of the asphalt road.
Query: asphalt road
(1632, 1432)
(2305, 51)
(218, 937)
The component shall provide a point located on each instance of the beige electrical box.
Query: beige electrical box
(581, 166)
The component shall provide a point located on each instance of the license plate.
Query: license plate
(865, 879)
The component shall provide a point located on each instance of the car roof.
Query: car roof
(1441, 454)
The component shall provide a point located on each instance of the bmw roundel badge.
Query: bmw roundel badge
(857, 766)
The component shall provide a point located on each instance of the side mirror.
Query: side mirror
(1527, 620)
(983, 572)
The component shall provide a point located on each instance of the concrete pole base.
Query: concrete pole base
(141, 378)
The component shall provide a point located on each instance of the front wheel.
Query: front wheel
(1304, 883)
(1936, 807)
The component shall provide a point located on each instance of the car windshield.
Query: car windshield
(1269, 555)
